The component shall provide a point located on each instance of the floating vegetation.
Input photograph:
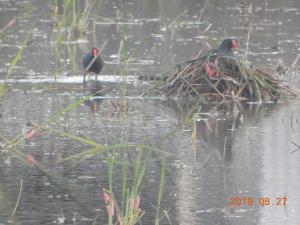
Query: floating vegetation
(215, 77)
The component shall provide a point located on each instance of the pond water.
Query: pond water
(223, 156)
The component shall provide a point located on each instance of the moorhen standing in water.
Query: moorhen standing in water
(225, 49)
(95, 60)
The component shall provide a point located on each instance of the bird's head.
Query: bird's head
(228, 44)
(234, 43)
(94, 52)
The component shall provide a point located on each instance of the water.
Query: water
(224, 156)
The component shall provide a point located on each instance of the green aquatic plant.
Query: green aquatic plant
(71, 19)
(128, 211)
(124, 58)
(70, 25)
(14, 63)
(160, 194)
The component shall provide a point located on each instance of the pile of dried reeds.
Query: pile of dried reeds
(218, 77)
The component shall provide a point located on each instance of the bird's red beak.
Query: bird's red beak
(234, 44)
(94, 52)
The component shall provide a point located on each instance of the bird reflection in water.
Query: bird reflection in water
(218, 131)
(99, 96)
(96, 90)
(213, 128)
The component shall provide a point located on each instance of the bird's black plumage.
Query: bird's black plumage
(95, 60)
(224, 57)
(221, 59)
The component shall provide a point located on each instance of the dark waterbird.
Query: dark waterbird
(226, 47)
(92, 62)
(221, 57)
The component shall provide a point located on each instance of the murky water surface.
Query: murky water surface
(249, 158)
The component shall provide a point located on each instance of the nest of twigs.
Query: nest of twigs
(231, 78)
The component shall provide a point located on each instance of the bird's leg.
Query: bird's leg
(84, 83)
(84, 74)
(96, 76)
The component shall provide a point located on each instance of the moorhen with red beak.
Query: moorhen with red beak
(218, 58)
(92, 62)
